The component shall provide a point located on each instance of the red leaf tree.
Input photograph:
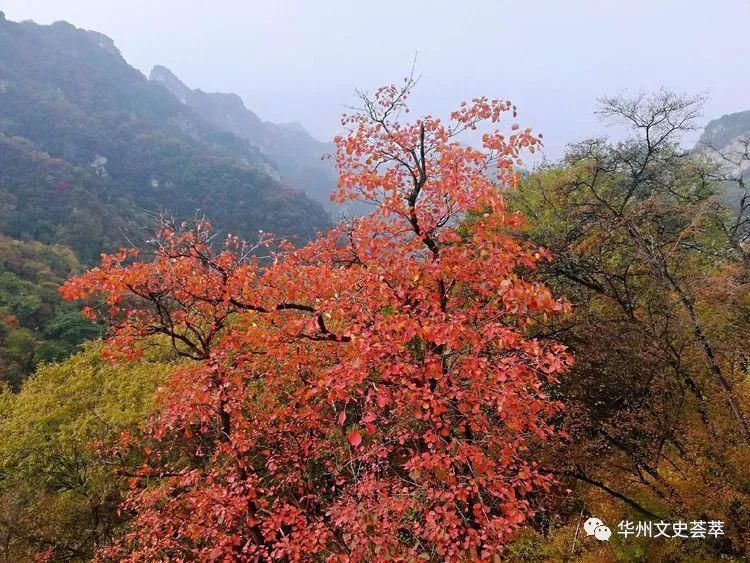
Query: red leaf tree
(372, 395)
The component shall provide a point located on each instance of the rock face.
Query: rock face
(724, 131)
(294, 151)
(725, 135)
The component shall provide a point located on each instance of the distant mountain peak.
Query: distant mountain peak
(169, 79)
(119, 147)
(62, 24)
(721, 132)
(196, 98)
(725, 135)
(296, 153)
(295, 126)
(104, 42)
(166, 77)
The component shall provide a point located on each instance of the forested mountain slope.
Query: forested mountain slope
(298, 156)
(70, 93)
(90, 151)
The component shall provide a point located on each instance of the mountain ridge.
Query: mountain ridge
(90, 152)
(298, 156)
(73, 96)
(721, 131)
(724, 136)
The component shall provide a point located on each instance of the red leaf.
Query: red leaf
(355, 438)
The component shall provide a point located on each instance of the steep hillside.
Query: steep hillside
(722, 131)
(52, 201)
(728, 135)
(294, 151)
(90, 149)
(70, 94)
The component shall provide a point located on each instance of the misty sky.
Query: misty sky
(295, 60)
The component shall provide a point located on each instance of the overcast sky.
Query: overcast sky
(294, 60)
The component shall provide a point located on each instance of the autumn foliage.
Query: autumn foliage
(371, 395)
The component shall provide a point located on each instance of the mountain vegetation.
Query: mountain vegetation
(59, 496)
(72, 96)
(35, 324)
(655, 264)
(91, 150)
(369, 399)
(467, 372)
(300, 159)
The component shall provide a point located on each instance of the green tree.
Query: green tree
(58, 488)
(36, 325)
(658, 399)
